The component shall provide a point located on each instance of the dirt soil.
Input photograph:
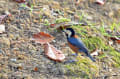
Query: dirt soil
(21, 58)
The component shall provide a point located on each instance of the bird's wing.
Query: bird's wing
(78, 43)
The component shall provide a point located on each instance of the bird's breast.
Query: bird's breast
(74, 48)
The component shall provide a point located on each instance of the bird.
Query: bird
(76, 44)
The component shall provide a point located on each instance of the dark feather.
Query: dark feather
(78, 43)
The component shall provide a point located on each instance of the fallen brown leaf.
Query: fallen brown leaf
(115, 39)
(118, 41)
(52, 53)
(20, 1)
(2, 28)
(42, 38)
(35, 69)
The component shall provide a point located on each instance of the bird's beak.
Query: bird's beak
(65, 33)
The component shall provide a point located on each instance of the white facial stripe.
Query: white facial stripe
(68, 32)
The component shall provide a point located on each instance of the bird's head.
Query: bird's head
(69, 32)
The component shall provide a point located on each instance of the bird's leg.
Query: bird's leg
(83, 53)
(69, 61)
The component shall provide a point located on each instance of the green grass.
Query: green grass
(115, 57)
(91, 42)
(46, 22)
(103, 31)
(94, 42)
(60, 20)
(84, 68)
(115, 27)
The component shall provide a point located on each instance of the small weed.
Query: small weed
(115, 27)
(46, 22)
(102, 56)
(103, 31)
(80, 30)
(60, 20)
(26, 7)
(112, 27)
(81, 17)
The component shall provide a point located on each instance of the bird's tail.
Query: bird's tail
(91, 58)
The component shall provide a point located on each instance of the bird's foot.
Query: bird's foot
(69, 61)
(74, 54)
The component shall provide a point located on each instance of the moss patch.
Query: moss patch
(115, 57)
(84, 68)
(60, 20)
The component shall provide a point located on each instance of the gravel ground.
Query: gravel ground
(22, 58)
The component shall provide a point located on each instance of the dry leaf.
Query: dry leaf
(2, 17)
(19, 67)
(21, 57)
(110, 43)
(35, 69)
(77, 2)
(96, 52)
(53, 53)
(20, 1)
(8, 13)
(116, 39)
(63, 27)
(2, 28)
(52, 25)
(42, 38)
(101, 2)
